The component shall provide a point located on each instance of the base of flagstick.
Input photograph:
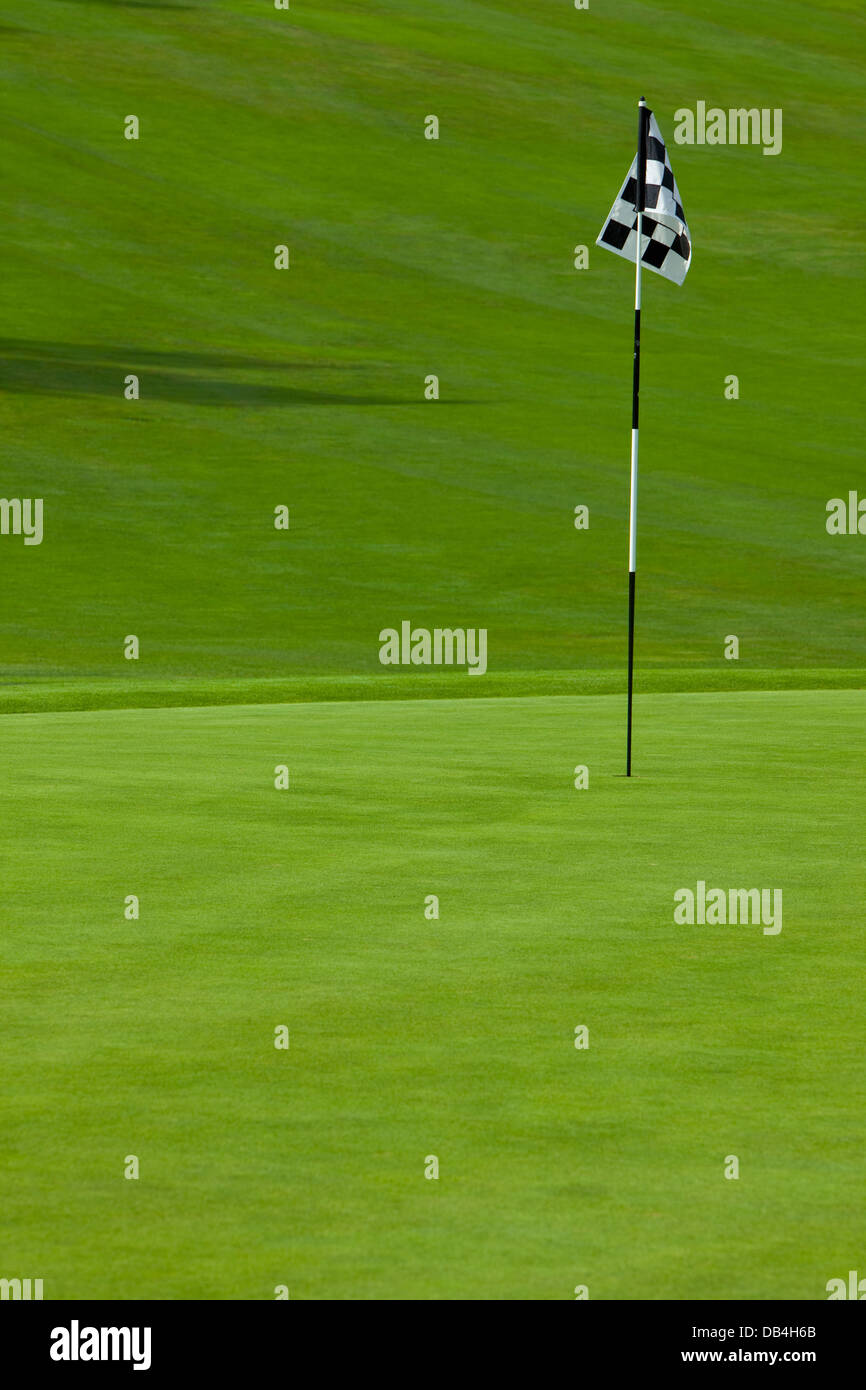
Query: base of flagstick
(630, 668)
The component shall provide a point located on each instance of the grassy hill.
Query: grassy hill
(412, 257)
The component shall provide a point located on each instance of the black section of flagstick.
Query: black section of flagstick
(223, 1342)
(643, 115)
(630, 667)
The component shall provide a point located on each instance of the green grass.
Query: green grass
(259, 647)
(409, 257)
(42, 695)
(451, 1037)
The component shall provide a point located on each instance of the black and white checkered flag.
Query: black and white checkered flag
(666, 242)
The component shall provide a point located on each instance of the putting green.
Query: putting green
(452, 1037)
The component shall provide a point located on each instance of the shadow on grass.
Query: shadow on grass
(136, 4)
(188, 378)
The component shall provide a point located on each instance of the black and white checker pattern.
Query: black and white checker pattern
(666, 241)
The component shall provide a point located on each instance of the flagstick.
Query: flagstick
(640, 198)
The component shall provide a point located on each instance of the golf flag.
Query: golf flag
(646, 225)
(665, 241)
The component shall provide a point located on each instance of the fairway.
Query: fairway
(412, 1037)
(330, 969)
(305, 387)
